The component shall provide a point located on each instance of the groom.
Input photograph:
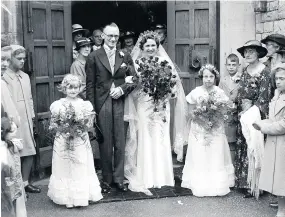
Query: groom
(106, 70)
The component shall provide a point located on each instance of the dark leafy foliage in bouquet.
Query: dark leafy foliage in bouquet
(212, 112)
(71, 125)
(156, 80)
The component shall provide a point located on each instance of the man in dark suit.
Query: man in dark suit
(106, 69)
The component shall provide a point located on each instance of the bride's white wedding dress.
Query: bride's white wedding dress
(153, 156)
(148, 153)
(208, 169)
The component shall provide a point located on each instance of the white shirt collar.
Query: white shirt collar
(108, 49)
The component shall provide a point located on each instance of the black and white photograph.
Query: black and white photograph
(143, 108)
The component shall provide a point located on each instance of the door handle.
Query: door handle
(196, 59)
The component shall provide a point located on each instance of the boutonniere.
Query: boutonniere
(123, 65)
(121, 53)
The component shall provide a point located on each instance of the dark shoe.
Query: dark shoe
(247, 195)
(106, 188)
(274, 204)
(121, 187)
(32, 189)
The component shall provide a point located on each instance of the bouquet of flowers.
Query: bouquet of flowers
(156, 80)
(71, 124)
(211, 112)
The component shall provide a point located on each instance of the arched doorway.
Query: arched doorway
(136, 16)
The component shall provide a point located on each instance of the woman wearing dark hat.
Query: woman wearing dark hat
(128, 41)
(83, 47)
(255, 89)
(275, 44)
(77, 32)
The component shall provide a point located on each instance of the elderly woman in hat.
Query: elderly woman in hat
(275, 44)
(255, 89)
(128, 41)
(83, 47)
(77, 32)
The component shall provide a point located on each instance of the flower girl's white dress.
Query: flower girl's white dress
(73, 181)
(208, 169)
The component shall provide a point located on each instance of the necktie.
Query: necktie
(111, 57)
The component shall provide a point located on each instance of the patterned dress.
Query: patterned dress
(257, 89)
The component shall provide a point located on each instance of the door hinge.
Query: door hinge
(30, 26)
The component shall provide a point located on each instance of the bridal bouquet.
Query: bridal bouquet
(156, 79)
(71, 124)
(211, 112)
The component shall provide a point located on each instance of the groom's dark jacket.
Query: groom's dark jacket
(99, 77)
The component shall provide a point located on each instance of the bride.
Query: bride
(148, 154)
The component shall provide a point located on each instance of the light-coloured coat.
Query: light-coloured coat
(272, 177)
(20, 88)
(231, 89)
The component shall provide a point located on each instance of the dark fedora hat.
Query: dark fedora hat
(80, 42)
(262, 51)
(277, 38)
(78, 28)
(128, 34)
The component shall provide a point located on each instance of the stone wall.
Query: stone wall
(271, 21)
(237, 22)
(11, 22)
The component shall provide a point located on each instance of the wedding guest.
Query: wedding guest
(19, 86)
(106, 70)
(229, 84)
(128, 39)
(77, 32)
(73, 181)
(12, 188)
(12, 194)
(161, 30)
(272, 178)
(208, 169)
(6, 99)
(148, 155)
(77, 68)
(274, 44)
(255, 89)
(97, 39)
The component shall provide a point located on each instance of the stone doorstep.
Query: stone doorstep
(177, 168)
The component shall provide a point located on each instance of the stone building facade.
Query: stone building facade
(11, 23)
(271, 19)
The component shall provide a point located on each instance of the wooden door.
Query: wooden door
(48, 40)
(191, 32)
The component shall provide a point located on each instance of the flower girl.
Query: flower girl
(208, 169)
(73, 181)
